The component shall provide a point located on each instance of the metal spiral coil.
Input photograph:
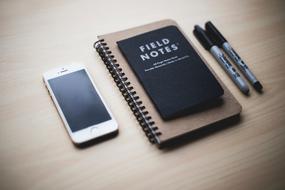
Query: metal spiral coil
(128, 92)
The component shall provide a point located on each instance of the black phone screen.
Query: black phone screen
(78, 100)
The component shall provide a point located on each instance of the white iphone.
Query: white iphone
(81, 107)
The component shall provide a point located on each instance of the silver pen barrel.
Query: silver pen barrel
(230, 70)
(241, 65)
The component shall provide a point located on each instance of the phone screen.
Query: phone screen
(78, 100)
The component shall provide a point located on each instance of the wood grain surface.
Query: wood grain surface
(35, 150)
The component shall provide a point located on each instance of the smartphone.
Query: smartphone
(80, 106)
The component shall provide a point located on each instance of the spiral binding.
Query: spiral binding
(130, 95)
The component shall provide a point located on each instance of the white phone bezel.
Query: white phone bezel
(90, 132)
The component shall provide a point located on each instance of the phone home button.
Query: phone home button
(95, 131)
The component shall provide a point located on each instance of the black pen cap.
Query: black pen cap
(202, 37)
(214, 34)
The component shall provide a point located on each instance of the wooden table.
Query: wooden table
(35, 150)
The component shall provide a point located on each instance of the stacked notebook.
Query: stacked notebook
(170, 89)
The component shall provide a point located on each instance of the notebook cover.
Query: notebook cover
(172, 129)
(170, 70)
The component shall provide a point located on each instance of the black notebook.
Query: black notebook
(172, 73)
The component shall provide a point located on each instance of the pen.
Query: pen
(206, 42)
(220, 41)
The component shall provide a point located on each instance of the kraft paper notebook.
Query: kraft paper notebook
(127, 53)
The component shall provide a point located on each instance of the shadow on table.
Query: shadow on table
(201, 133)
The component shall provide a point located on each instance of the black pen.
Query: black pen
(206, 42)
(220, 41)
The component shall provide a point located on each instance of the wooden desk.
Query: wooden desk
(35, 151)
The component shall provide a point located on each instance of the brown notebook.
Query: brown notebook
(156, 129)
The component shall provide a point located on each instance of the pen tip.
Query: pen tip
(246, 92)
(257, 85)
